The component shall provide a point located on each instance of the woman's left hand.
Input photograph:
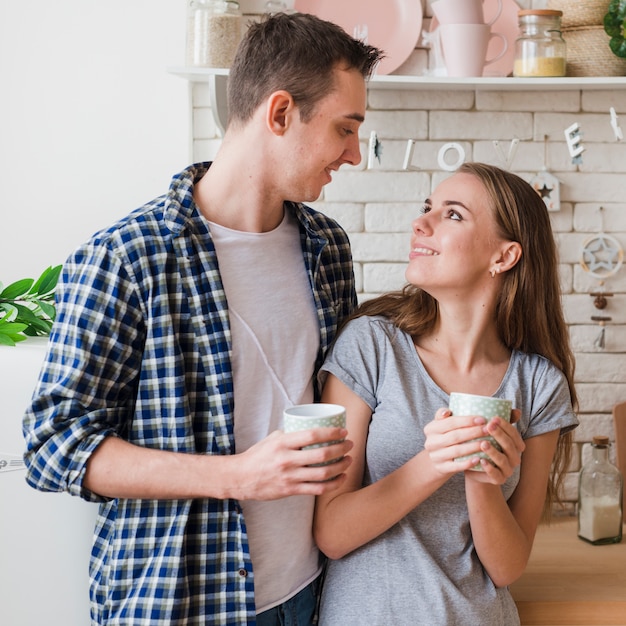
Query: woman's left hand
(505, 461)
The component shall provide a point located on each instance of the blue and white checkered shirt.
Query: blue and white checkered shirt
(141, 350)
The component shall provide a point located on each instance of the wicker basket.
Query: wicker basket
(588, 53)
(577, 13)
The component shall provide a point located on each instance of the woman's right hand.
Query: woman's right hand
(449, 437)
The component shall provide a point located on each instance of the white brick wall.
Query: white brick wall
(377, 206)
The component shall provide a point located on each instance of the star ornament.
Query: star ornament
(544, 192)
(547, 186)
(602, 256)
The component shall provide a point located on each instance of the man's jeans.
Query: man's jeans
(301, 610)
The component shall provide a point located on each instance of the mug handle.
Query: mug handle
(496, 16)
(502, 52)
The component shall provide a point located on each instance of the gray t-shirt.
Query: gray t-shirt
(424, 570)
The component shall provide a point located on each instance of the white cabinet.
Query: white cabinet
(45, 538)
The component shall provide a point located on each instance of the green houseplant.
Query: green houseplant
(27, 307)
(615, 27)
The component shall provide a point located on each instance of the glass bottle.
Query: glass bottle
(213, 32)
(540, 50)
(277, 6)
(600, 503)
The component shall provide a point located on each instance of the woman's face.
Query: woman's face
(454, 244)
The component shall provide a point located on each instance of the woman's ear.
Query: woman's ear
(280, 105)
(510, 254)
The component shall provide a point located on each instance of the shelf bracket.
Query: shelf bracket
(218, 99)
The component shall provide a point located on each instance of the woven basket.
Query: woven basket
(577, 13)
(588, 53)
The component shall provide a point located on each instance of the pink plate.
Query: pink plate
(507, 24)
(392, 25)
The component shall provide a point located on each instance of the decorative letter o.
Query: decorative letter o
(442, 153)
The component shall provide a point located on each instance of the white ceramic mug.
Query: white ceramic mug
(318, 415)
(463, 12)
(487, 406)
(464, 48)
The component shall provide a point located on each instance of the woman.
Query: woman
(414, 536)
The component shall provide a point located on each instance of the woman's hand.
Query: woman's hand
(504, 461)
(449, 437)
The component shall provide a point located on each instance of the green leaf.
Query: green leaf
(25, 314)
(5, 340)
(47, 308)
(612, 25)
(618, 46)
(39, 326)
(48, 280)
(618, 8)
(11, 332)
(17, 289)
(615, 27)
(11, 328)
(27, 309)
(42, 329)
(4, 322)
(11, 311)
(36, 287)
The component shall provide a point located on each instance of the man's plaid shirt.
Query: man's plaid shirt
(141, 350)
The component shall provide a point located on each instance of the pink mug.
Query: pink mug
(463, 12)
(464, 48)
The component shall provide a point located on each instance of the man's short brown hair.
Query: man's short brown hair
(293, 52)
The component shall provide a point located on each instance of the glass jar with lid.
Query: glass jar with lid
(213, 32)
(600, 497)
(540, 49)
(277, 6)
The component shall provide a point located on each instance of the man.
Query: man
(183, 332)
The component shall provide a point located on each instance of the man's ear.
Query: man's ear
(280, 106)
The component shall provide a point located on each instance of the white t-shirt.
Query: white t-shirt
(275, 339)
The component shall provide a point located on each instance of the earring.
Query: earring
(493, 273)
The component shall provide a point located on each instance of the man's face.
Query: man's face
(329, 139)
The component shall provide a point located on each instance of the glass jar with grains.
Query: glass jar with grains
(540, 50)
(213, 32)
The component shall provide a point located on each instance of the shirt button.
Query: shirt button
(243, 572)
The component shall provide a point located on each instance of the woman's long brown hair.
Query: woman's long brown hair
(529, 314)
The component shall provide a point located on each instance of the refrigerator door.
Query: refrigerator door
(45, 538)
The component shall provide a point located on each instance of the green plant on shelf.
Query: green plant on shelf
(615, 27)
(27, 307)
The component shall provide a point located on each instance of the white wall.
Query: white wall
(376, 206)
(91, 126)
(91, 122)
